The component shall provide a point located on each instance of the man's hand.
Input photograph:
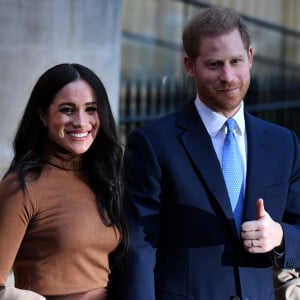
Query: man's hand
(263, 234)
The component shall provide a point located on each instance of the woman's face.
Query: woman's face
(72, 118)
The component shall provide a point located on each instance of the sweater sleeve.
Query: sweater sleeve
(15, 213)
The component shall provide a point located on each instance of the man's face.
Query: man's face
(221, 71)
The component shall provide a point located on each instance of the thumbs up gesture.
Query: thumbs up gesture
(260, 209)
(262, 234)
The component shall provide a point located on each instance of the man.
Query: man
(188, 241)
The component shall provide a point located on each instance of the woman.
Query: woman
(60, 211)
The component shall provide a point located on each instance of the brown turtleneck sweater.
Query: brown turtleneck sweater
(52, 235)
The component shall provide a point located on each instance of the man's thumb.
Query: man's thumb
(260, 209)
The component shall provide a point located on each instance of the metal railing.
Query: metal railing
(145, 100)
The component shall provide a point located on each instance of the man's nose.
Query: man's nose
(227, 74)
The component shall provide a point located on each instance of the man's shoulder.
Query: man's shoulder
(265, 124)
(169, 120)
(160, 122)
(271, 133)
(159, 131)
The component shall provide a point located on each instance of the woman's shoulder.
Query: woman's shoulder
(10, 183)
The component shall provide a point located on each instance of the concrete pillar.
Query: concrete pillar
(37, 34)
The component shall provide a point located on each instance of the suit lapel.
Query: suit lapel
(198, 145)
(256, 164)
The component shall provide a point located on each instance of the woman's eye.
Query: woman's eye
(67, 110)
(91, 109)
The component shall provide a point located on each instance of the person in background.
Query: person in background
(60, 199)
(193, 233)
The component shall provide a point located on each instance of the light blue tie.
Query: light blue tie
(233, 172)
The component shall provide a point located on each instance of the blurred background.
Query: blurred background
(153, 80)
(135, 48)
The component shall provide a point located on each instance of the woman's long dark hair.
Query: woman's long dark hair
(103, 160)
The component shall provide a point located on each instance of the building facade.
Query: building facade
(37, 34)
(154, 81)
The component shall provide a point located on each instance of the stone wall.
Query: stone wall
(35, 34)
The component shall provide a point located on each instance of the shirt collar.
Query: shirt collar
(214, 122)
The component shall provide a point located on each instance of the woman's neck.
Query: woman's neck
(61, 158)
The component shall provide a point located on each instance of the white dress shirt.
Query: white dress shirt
(215, 125)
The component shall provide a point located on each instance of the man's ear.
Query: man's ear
(250, 56)
(42, 116)
(189, 66)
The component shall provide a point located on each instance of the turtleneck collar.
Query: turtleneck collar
(60, 158)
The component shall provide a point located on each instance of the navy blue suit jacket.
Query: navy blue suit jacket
(183, 240)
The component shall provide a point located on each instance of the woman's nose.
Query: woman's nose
(79, 119)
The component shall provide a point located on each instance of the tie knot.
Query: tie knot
(230, 123)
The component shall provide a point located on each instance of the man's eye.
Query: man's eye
(237, 60)
(214, 64)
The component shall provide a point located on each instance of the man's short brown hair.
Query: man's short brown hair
(212, 21)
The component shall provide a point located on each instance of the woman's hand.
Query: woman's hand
(12, 293)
